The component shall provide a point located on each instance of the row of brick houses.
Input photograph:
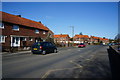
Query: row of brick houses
(81, 39)
(62, 39)
(65, 39)
(94, 39)
(19, 32)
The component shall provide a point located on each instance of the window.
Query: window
(30, 39)
(43, 32)
(1, 25)
(16, 27)
(50, 44)
(2, 39)
(24, 39)
(36, 31)
(17, 39)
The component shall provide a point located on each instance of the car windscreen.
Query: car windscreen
(37, 44)
(81, 43)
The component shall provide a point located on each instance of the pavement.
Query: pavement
(116, 47)
(28, 51)
(72, 62)
(15, 53)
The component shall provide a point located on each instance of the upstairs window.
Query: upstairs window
(1, 25)
(36, 31)
(16, 27)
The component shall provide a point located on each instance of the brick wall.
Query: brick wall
(23, 31)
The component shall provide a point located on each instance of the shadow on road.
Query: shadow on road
(96, 68)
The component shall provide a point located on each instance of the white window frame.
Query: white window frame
(44, 32)
(30, 39)
(1, 25)
(15, 26)
(37, 31)
(2, 39)
(24, 39)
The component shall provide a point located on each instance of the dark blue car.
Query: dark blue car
(43, 48)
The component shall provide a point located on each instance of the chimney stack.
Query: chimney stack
(39, 21)
(18, 15)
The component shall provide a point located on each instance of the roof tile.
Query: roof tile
(61, 35)
(21, 21)
(81, 36)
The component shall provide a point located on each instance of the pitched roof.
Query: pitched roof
(81, 36)
(105, 39)
(51, 31)
(21, 21)
(95, 37)
(61, 35)
(99, 38)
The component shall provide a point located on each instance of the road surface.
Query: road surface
(89, 62)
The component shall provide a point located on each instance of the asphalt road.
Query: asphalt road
(69, 62)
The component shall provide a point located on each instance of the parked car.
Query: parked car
(117, 44)
(81, 45)
(43, 48)
(110, 44)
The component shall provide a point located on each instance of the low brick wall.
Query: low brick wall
(114, 59)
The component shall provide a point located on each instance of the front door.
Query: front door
(15, 41)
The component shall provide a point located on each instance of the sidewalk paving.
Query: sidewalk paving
(117, 48)
(27, 51)
(20, 52)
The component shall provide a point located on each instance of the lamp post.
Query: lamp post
(72, 34)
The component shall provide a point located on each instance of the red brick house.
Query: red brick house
(62, 39)
(104, 40)
(95, 40)
(50, 36)
(19, 32)
(81, 39)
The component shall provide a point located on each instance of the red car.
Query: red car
(81, 45)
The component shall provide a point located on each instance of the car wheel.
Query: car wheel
(55, 50)
(44, 52)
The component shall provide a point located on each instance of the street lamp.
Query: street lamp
(72, 30)
(72, 33)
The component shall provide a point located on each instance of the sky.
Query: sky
(91, 18)
(60, 0)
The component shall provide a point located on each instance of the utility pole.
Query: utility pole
(72, 34)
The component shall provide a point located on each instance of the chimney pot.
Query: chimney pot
(19, 15)
(39, 21)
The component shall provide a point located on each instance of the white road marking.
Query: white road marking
(48, 72)
(69, 49)
(76, 64)
(81, 56)
(88, 59)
